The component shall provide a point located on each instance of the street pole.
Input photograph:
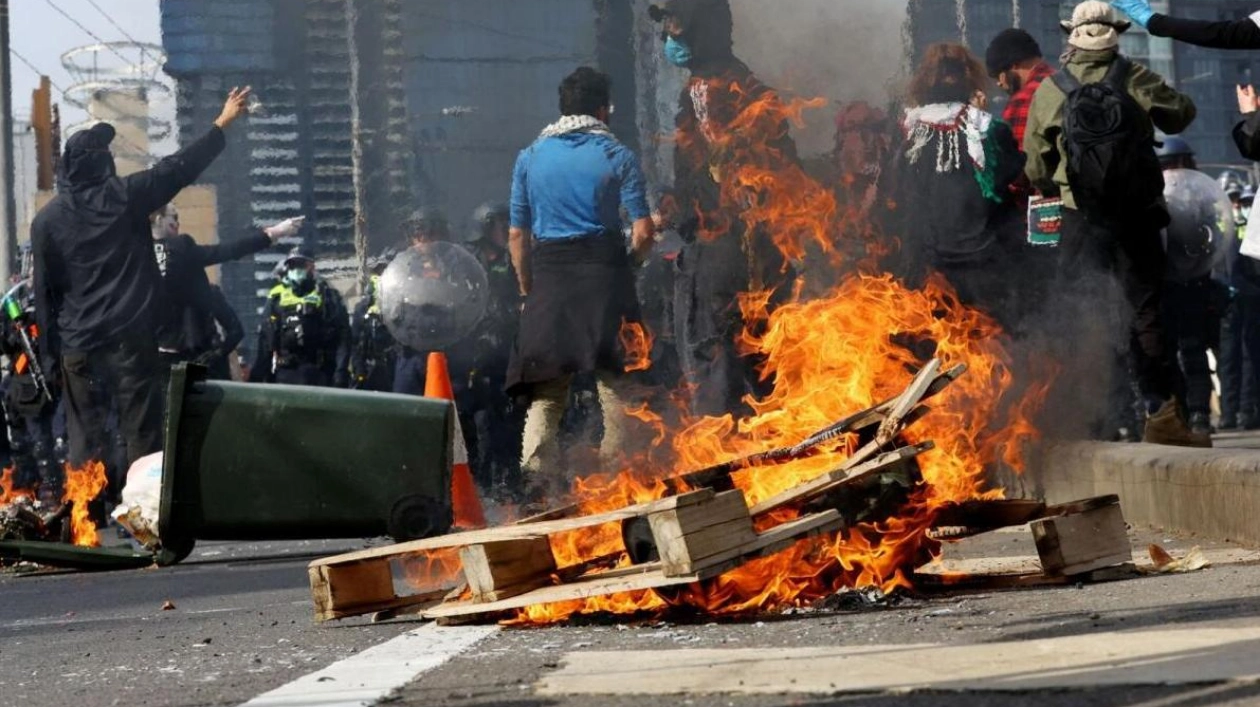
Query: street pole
(356, 145)
(8, 205)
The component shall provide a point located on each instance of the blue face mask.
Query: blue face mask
(297, 276)
(677, 51)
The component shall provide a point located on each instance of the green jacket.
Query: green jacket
(1170, 111)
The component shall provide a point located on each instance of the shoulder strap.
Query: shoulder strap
(1118, 73)
(1066, 82)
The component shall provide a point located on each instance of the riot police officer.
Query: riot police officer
(1194, 243)
(426, 225)
(484, 354)
(375, 352)
(304, 338)
(27, 398)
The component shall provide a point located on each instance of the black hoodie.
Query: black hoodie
(96, 278)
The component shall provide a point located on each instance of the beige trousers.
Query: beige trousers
(540, 448)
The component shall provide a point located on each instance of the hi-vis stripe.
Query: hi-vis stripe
(459, 451)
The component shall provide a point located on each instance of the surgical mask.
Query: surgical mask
(677, 51)
(297, 276)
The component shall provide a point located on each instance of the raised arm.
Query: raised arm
(153, 188)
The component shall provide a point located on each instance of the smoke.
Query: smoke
(842, 50)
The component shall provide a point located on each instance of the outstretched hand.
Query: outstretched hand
(236, 105)
(1247, 102)
(287, 228)
(1138, 10)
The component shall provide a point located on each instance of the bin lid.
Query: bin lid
(66, 556)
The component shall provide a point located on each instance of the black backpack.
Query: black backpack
(1111, 162)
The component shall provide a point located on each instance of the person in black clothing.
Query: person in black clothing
(304, 338)
(426, 225)
(98, 287)
(719, 129)
(222, 333)
(960, 161)
(189, 309)
(495, 421)
(1236, 34)
(374, 351)
(28, 403)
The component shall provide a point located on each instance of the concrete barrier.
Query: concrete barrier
(1210, 492)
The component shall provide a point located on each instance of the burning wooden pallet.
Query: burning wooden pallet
(692, 536)
(705, 530)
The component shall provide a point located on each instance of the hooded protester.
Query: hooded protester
(187, 329)
(568, 190)
(961, 161)
(715, 133)
(1113, 207)
(98, 287)
(1227, 34)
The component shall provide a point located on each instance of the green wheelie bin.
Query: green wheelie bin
(274, 462)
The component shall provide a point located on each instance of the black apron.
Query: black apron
(582, 291)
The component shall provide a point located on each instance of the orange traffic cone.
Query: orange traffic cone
(464, 499)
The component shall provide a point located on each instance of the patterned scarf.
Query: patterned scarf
(949, 125)
(576, 124)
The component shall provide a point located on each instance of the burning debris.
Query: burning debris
(23, 517)
(710, 542)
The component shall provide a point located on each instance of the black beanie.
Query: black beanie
(1009, 48)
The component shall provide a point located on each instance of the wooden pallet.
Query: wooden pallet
(1083, 541)
(697, 535)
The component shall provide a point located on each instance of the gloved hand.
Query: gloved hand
(287, 228)
(1138, 10)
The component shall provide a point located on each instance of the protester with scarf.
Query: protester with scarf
(727, 119)
(959, 162)
(574, 271)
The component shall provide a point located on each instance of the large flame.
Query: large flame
(83, 485)
(844, 351)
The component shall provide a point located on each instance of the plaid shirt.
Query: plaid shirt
(1016, 114)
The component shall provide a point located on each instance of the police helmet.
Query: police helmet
(429, 220)
(1248, 194)
(1173, 147)
(486, 215)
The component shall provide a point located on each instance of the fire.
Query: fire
(858, 341)
(83, 485)
(9, 494)
(636, 341)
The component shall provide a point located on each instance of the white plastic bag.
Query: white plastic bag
(142, 501)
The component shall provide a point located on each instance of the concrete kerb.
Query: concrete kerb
(1214, 493)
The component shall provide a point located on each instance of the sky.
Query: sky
(41, 34)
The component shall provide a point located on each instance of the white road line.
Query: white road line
(367, 678)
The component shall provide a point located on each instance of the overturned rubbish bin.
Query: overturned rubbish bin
(276, 462)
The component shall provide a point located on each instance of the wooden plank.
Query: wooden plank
(345, 589)
(1088, 504)
(767, 543)
(1070, 545)
(506, 568)
(685, 535)
(518, 532)
(828, 482)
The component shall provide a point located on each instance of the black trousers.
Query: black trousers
(1133, 254)
(125, 372)
(1187, 320)
(1238, 354)
(304, 374)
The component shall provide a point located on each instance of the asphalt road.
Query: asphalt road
(241, 626)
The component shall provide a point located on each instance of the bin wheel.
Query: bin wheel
(174, 551)
(417, 517)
